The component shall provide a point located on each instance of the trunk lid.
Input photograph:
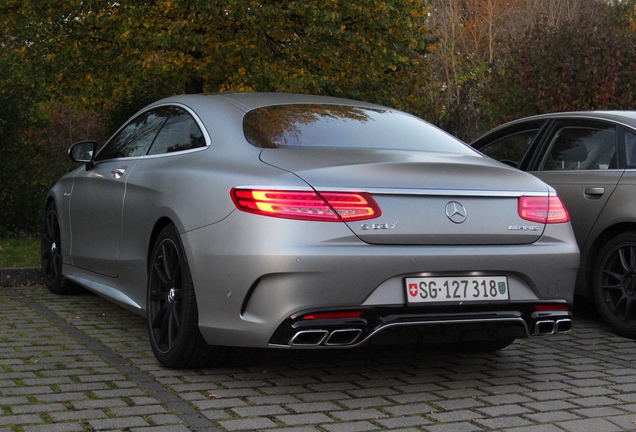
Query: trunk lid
(425, 198)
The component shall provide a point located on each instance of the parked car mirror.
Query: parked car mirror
(83, 152)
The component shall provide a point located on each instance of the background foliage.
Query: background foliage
(76, 69)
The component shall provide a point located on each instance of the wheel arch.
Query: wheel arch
(49, 199)
(156, 229)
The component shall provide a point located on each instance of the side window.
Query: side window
(179, 133)
(511, 147)
(581, 148)
(630, 149)
(135, 138)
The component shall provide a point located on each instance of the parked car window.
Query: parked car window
(511, 147)
(136, 137)
(630, 149)
(581, 148)
(180, 132)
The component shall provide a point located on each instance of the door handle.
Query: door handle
(118, 172)
(594, 192)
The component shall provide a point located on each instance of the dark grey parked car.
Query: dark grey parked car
(590, 159)
(292, 221)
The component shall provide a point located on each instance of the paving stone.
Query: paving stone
(19, 419)
(56, 427)
(536, 428)
(507, 398)
(454, 427)
(551, 405)
(260, 411)
(503, 410)
(313, 407)
(172, 428)
(406, 421)
(359, 426)
(78, 362)
(361, 414)
(77, 415)
(365, 402)
(305, 419)
(626, 422)
(270, 400)
(463, 403)
(503, 423)
(455, 416)
(117, 423)
(39, 408)
(596, 424)
(250, 424)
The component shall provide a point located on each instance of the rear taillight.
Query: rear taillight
(546, 210)
(333, 315)
(547, 307)
(307, 205)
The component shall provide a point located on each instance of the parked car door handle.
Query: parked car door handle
(118, 172)
(594, 192)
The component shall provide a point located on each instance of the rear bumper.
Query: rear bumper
(252, 280)
(397, 325)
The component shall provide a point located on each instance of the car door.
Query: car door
(579, 158)
(152, 189)
(97, 196)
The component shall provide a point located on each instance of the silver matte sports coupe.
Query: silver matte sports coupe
(295, 221)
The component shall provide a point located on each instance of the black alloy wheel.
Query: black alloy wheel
(51, 254)
(614, 284)
(172, 316)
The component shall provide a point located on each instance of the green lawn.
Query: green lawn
(19, 252)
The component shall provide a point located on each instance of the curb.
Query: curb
(16, 277)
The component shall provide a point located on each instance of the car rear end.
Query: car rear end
(387, 245)
(442, 265)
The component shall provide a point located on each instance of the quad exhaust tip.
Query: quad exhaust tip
(349, 336)
(548, 327)
(340, 337)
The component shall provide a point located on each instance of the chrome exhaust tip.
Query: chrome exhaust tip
(309, 338)
(343, 337)
(545, 327)
(564, 326)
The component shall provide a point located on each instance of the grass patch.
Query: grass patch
(19, 252)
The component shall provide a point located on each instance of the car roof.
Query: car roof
(248, 101)
(625, 117)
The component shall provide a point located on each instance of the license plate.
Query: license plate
(456, 289)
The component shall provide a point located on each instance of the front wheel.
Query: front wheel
(51, 254)
(172, 316)
(614, 284)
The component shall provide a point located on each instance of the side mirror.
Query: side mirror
(83, 152)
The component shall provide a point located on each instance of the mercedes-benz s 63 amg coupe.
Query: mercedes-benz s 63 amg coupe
(307, 222)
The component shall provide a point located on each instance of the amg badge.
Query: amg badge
(522, 228)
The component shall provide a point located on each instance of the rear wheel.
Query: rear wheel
(614, 284)
(51, 254)
(173, 320)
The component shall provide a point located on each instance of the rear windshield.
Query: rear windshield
(313, 125)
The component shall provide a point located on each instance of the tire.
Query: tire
(484, 346)
(51, 254)
(614, 284)
(172, 316)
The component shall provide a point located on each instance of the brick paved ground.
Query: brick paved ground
(80, 363)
